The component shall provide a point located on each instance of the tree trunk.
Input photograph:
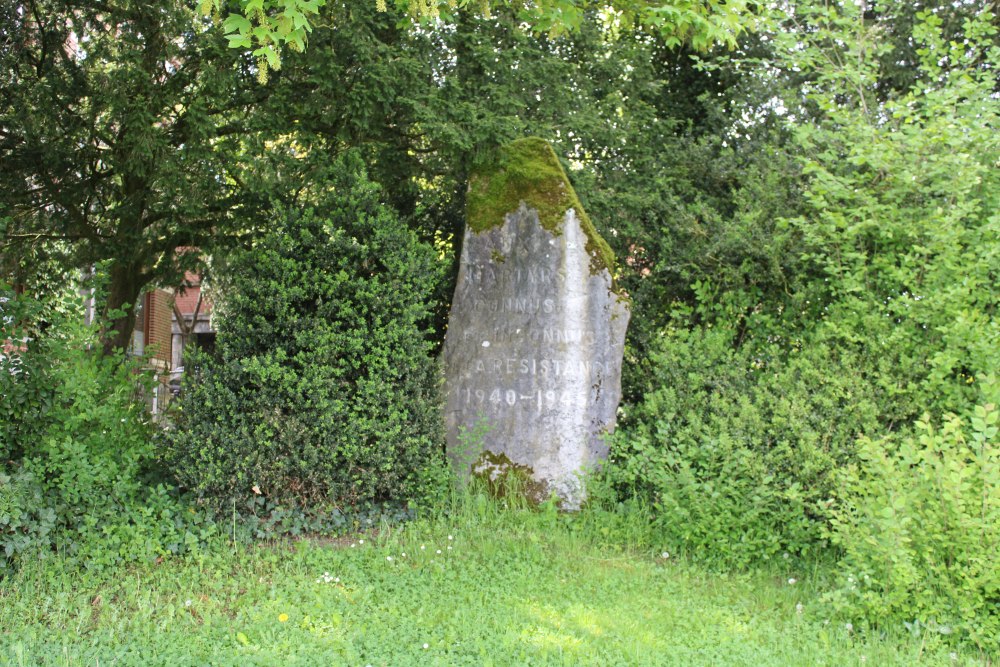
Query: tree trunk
(124, 288)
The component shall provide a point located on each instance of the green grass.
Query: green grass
(515, 588)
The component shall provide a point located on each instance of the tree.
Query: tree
(128, 128)
(901, 193)
(271, 25)
(118, 123)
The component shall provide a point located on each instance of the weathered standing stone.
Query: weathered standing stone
(535, 339)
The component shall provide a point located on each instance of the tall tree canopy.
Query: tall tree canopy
(130, 129)
(268, 26)
(119, 123)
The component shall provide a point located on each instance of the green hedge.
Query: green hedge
(323, 388)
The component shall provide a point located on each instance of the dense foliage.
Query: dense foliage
(266, 27)
(120, 122)
(738, 461)
(834, 323)
(78, 471)
(323, 390)
(920, 528)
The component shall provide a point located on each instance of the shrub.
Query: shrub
(25, 383)
(919, 526)
(323, 388)
(78, 471)
(26, 520)
(852, 300)
(735, 456)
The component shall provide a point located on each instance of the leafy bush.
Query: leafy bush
(920, 529)
(25, 385)
(736, 457)
(855, 298)
(26, 521)
(323, 389)
(78, 471)
(899, 232)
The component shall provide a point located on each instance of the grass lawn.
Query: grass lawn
(484, 587)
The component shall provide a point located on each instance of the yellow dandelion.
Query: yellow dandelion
(283, 618)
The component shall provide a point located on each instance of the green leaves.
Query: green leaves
(238, 28)
(324, 390)
(700, 24)
(77, 441)
(270, 25)
(984, 423)
(921, 521)
(897, 210)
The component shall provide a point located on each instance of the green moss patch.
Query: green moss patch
(502, 478)
(528, 170)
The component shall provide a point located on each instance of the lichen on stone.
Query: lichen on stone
(527, 170)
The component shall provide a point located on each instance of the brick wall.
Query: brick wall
(158, 338)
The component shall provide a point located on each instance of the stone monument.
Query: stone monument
(535, 338)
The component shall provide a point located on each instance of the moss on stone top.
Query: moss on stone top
(528, 170)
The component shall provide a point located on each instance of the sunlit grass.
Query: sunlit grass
(480, 586)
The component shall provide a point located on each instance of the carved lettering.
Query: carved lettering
(545, 367)
(504, 398)
(480, 275)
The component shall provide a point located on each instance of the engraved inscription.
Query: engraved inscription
(529, 292)
(535, 335)
(478, 275)
(501, 398)
(517, 305)
(544, 367)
